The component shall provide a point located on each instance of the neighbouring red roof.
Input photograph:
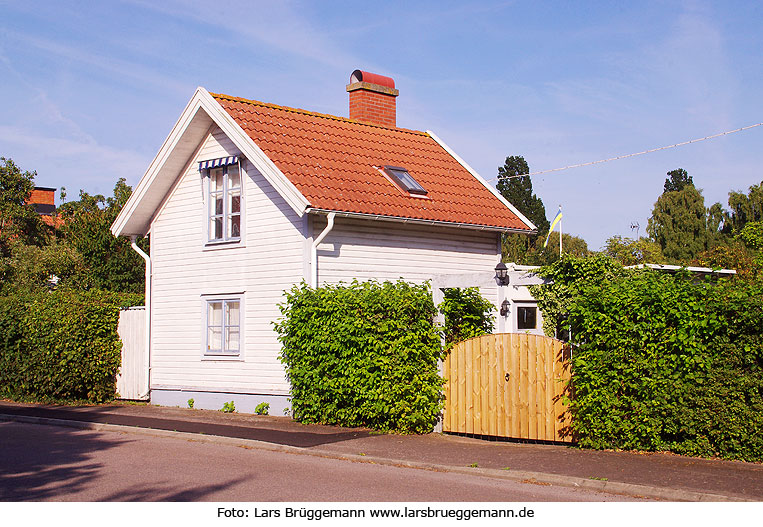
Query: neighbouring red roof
(331, 160)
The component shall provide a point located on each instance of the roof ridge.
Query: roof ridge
(315, 114)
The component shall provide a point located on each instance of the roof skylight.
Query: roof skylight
(401, 176)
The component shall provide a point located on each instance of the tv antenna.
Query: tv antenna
(635, 227)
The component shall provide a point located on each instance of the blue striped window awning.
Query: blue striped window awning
(219, 162)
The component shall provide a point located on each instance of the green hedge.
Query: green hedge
(363, 354)
(61, 346)
(663, 362)
(467, 314)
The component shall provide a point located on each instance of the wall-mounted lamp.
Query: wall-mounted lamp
(502, 274)
(505, 308)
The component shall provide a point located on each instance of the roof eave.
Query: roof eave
(419, 221)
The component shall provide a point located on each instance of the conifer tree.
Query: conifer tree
(679, 219)
(519, 192)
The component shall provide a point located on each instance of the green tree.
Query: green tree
(18, 220)
(571, 245)
(677, 180)
(752, 235)
(745, 207)
(718, 226)
(519, 192)
(679, 219)
(112, 264)
(30, 269)
(632, 252)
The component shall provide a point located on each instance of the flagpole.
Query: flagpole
(557, 219)
(560, 233)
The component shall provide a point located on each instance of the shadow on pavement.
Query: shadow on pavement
(51, 463)
(103, 414)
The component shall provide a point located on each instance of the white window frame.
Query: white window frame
(226, 239)
(225, 300)
(515, 305)
(534, 307)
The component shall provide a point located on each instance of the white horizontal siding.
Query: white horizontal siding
(268, 262)
(382, 250)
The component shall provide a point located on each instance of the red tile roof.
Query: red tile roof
(331, 160)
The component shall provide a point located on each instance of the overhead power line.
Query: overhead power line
(630, 155)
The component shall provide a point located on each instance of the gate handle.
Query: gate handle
(507, 377)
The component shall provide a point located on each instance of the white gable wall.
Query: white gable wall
(269, 260)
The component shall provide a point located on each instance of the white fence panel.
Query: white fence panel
(132, 376)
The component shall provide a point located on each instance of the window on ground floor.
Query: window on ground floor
(223, 326)
(527, 317)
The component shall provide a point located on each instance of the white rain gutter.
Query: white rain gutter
(314, 254)
(147, 301)
(417, 221)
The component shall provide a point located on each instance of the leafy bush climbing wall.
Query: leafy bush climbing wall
(363, 354)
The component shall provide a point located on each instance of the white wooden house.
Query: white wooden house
(246, 199)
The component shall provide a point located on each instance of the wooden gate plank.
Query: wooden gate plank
(540, 385)
(469, 399)
(524, 389)
(451, 403)
(484, 419)
(501, 389)
(548, 414)
(492, 360)
(515, 399)
(532, 387)
(462, 376)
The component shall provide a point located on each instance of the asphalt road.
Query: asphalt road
(51, 463)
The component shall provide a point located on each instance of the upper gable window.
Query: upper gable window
(401, 176)
(224, 199)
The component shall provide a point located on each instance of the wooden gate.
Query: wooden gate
(508, 385)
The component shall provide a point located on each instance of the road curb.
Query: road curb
(538, 478)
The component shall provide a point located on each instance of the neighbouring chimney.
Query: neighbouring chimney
(372, 98)
(44, 200)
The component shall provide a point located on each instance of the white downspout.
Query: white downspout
(314, 255)
(147, 350)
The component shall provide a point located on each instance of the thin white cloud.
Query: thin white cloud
(690, 67)
(116, 69)
(279, 25)
(75, 155)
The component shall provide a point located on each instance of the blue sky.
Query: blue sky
(90, 90)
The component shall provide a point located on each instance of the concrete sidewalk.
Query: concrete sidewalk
(657, 476)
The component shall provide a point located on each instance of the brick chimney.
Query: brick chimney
(372, 98)
(43, 199)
